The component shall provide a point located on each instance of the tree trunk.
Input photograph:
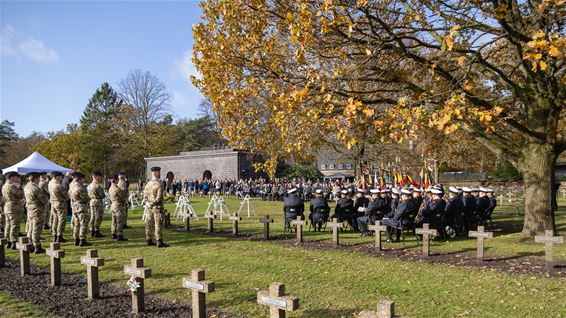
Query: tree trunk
(536, 166)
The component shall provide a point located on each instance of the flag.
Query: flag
(363, 182)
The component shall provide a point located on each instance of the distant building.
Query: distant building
(226, 163)
(334, 165)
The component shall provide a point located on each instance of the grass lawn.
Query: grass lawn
(14, 308)
(330, 283)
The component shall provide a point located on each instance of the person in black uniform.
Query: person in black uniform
(393, 203)
(319, 210)
(370, 212)
(432, 213)
(418, 196)
(469, 210)
(406, 204)
(344, 209)
(451, 212)
(293, 206)
(360, 204)
(492, 203)
(482, 205)
(383, 203)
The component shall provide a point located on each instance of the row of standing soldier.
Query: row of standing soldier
(464, 209)
(48, 201)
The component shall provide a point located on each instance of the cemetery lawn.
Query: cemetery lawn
(14, 308)
(329, 283)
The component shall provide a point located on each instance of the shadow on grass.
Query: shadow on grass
(326, 313)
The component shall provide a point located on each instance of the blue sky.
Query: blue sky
(54, 55)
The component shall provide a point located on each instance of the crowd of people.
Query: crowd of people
(399, 209)
(46, 201)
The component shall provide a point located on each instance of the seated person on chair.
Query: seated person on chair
(405, 205)
(383, 204)
(393, 203)
(293, 206)
(482, 204)
(360, 204)
(451, 211)
(432, 214)
(344, 207)
(319, 210)
(370, 213)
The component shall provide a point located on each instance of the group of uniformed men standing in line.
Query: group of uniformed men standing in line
(400, 209)
(47, 201)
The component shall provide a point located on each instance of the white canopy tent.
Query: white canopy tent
(36, 163)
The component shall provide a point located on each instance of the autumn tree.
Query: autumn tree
(292, 73)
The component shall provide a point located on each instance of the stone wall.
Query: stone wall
(223, 163)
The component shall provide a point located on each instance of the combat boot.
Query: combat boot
(55, 238)
(61, 239)
(114, 236)
(121, 238)
(31, 249)
(13, 245)
(98, 234)
(83, 242)
(161, 244)
(92, 233)
(77, 241)
(8, 245)
(46, 227)
(39, 250)
(150, 243)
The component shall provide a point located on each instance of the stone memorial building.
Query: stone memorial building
(228, 163)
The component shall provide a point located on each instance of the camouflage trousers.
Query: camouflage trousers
(35, 225)
(2, 221)
(117, 219)
(154, 224)
(96, 213)
(12, 226)
(80, 220)
(58, 212)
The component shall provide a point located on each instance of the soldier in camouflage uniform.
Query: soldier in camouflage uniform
(2, 218)
(79, 203)
(36, 200)
(13, 207)
(43, 184)
(58, 197)
(118, 196)
(153, 196)
(96, 195)
(123, 184)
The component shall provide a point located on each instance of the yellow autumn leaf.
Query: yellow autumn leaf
(554, 51)
(543, 65)
(461, 60)
(538, 56)
(368, 52)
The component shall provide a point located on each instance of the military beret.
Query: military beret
(115, 176)
(10, 174)
(74, 174)
(121, 173)
(43, 173)
(33, 175)
(97, 173)
(56, 173)
(80, 175)
(155, 169)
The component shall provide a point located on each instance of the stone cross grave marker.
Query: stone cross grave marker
(210, 218)
(266, 220)
(235, 219)
(299, 223)
(24, 246)
(3, 242)
(378, 228)
(138, 274)
(481, 236)
(385, 309)
(335, 225)
(426, 232)
(92, 263)
(548, 239)
(199, 288)
(277, 301)
(55, 253)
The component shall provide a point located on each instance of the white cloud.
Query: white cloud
(180, 101)
(184, 66)
(33, 49)
(36, 51)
